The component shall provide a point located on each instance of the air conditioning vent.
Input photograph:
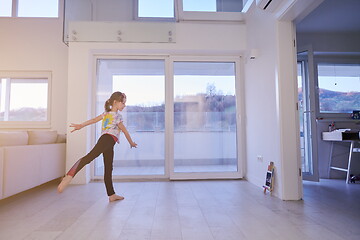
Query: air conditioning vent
(268, 5)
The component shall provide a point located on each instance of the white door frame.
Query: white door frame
(169, 116)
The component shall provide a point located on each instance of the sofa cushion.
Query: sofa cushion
(42, 137)
(13, 138)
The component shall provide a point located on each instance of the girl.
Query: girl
(112, 125)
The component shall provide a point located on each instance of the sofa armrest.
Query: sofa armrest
(28, 166)
(21, 169)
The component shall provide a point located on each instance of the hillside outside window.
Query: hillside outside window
(339, 87)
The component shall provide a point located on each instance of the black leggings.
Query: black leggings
(105, 145)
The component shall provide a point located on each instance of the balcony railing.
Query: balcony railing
(183, 121)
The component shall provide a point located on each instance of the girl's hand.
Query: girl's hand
(133, 144)
(76, 127)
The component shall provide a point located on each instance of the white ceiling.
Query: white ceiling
(333, 16)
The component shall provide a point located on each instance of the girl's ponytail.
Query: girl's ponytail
(107, 106)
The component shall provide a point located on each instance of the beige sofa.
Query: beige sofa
(29, 159)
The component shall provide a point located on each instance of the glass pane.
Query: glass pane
(204, 117)
(38, 8)
(143, 82)
(213, 5)
(305, 124)
(5, 8)
(28, 100)
(339, 88)
(301, 114)
(158, 8)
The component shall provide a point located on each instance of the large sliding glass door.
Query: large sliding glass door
(182, 114)
(204, 117)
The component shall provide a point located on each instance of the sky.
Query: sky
(30, 8)
(339, 78)
(22, 95)
(5, 8)
(340, 84)
(150, 90)
(165, 8)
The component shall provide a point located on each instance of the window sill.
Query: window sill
(337, 120)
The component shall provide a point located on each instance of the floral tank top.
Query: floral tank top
(110, 123)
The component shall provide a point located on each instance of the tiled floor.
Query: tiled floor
(184, 210)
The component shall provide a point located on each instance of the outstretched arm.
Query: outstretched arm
(127, 135)
(86, 123)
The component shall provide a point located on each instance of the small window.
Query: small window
(213, 5)
(38, 8)
(339, 88)
(5, 8)
(156, 9)
(24, 100)
(199, 6)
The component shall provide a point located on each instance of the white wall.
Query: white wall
(35, 44)
(262, 136)
(270, 104)
(191, 39)
(330, 42)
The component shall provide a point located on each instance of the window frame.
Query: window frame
(29, 75)
(321, 59)
(15, 12)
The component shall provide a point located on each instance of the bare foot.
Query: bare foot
(115, 197)
(65, 181)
